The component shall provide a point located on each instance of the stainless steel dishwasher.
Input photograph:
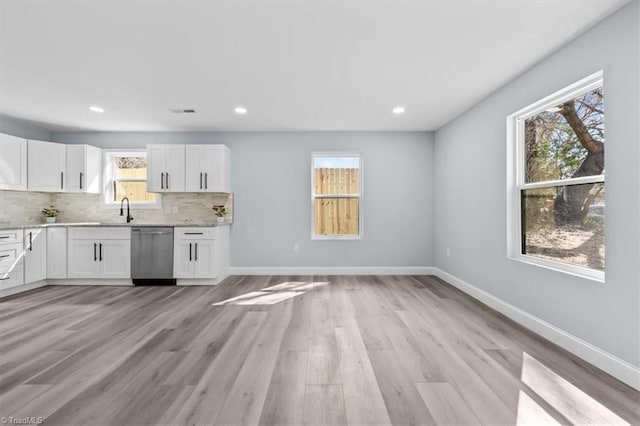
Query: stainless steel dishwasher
(152, 256)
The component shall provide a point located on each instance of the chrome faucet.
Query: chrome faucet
(129, 217)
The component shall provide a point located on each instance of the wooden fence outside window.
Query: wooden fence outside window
(337, 201)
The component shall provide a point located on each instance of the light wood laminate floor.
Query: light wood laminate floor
(289, 350)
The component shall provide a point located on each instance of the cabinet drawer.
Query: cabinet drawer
(12, 278)
(77, 233)
(9, 255)
(116, 233)
(99, 233)
(195, 233)
(11, 236)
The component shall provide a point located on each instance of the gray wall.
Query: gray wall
(271, 181)
(12, 126)
(470, 158)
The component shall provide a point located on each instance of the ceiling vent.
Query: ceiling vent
(182, 110)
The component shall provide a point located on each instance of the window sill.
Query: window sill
(336, 237)
(576, 271)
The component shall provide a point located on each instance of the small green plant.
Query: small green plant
(50, 212)
(219, 210)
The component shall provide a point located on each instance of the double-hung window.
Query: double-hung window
(556, 180)
(336, 195)
(126, 176)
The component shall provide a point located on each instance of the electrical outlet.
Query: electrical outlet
(448, 252)
(296, 248)
(175, 210)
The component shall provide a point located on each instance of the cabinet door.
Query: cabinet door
(92, 182)
(217, 169)
(155, 168)
(13, 157)
(35, 254)
(84, 169)
(83, 259)
(57, 253)
(183, 258)
(195, 164)
(12, 278)
(76, 176)
(204, 264)
(174, 168)
(46, 166)
(207, 168)
(116, 258)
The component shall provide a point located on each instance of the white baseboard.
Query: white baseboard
(618, 368)
(332, 270)
(94, 282)
(207, 282)
(21, 288)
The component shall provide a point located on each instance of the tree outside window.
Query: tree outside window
(560, 178)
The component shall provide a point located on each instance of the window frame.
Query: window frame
(516, 181)
(107, 201)
(359, 196)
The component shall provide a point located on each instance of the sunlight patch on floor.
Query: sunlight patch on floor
(273, 294)
(574, 404)
(531, 414)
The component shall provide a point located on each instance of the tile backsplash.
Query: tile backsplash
(22, 207)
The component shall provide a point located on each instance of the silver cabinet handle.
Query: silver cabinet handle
(5, 278)
(4, 236)
(95, 253)
(193, 233)
(101, 258)
(30, 241)
(162, 180)
(80, 180)
(5, 255)
(200, 180)
(61, 180)
(167, 180)
(190, 256)
(206, 184)
(196, 259)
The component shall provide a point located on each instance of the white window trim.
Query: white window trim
(516, 182)
(334, 154)
(106, 200)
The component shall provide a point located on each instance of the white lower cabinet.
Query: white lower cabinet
(11, 259)
(195, 254)
(99, 253)
(57, 253)
(116, 258)
(194, 259)
(35, 255)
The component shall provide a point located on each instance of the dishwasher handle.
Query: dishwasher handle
(152, 232)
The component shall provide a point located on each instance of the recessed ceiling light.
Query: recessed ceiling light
(96, 108)
(240, 110)
(398, 110)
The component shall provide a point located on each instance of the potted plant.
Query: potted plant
(50, 214)
(220, 211)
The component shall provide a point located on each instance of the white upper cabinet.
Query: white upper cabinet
(84, 169)
(47, 166)
(207, 168)
(165, 168)
(13, 162)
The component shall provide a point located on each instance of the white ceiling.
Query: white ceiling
(305, 65)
